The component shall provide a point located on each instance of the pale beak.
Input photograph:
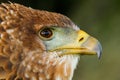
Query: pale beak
(83, 45)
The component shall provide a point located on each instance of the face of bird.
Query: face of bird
(68, 41)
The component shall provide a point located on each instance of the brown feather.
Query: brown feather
(19, 43)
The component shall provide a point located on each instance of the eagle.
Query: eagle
(40, 45)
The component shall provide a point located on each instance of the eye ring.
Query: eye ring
(46, 33)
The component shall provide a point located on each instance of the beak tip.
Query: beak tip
(99, 50)
(99, 55)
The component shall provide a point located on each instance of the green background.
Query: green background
(101, 19)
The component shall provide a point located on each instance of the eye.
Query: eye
(46, 33)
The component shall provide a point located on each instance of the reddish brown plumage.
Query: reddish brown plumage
(21, 50)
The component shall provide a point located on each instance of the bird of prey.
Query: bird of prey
(40, 45)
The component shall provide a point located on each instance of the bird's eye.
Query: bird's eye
(46, 33)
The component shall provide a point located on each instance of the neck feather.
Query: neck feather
(48, 66)
(65, 67)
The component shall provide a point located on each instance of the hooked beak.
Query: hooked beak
(83, 45)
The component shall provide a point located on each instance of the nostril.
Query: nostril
(81, 39)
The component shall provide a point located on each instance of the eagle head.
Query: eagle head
(40, 45)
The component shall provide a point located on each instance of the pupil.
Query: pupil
(46, 33)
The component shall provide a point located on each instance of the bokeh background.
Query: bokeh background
(101, 19)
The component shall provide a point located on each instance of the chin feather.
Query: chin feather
(66, 66)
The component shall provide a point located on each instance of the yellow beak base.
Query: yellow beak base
(83, 45)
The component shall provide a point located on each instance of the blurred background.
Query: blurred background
(101, 19)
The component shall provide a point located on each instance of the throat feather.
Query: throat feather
(65, 68)
(48, 66)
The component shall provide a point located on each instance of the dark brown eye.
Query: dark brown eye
(46, 33)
